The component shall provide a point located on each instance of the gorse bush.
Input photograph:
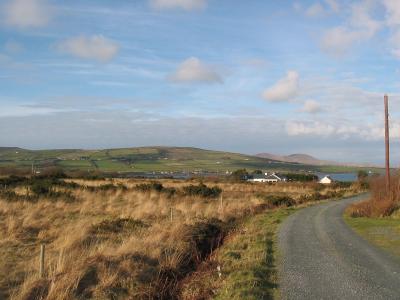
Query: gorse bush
(12, 181)
(156, 187)
(202, 190)
(301, 177)
(148, 187)
(276, 200)
(106, 187)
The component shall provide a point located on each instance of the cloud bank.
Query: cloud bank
(26, 13)
(193, 70)
(188, 5)
(284, 90)
(95, 47)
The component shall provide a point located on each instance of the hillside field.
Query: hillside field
(148, 159)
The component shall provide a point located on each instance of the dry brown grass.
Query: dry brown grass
(382, 203)
(95, 250)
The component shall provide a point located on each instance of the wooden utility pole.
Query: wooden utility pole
(387, 157)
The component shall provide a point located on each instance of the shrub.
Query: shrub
(148, 187)
(12, 181)
(301, 177)
(341, 184)
(383, 203)
(202, 190)
(371, 208)
(276, 200)
(106, 187)
(156, 187)
(40, 188)
(239, 175)
(320, 187)
(206, 236)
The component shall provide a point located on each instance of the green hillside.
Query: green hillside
(147, 159)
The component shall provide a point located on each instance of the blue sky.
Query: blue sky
(245, 76)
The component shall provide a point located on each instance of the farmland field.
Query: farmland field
(149, 159)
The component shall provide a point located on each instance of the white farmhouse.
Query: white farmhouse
(326, 180)
(270, 178)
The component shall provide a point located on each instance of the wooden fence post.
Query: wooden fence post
(41, 267)
(221, 205)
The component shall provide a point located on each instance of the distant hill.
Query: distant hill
(299, 158)
(310, 160)
(157, 159)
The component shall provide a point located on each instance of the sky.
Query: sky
(244, 76)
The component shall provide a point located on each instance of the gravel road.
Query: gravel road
(322, 258)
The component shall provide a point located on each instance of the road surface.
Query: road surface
(322, 258)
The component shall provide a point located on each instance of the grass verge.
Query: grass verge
(245, 266)
(382, 232)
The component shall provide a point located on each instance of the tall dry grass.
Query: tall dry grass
(383, 202)
(121, 243)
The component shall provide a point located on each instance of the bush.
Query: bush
(206, 236)
(156, 187)
(12, 181)
(148, 187)
(320, 187)
(372, 208)
(106, 187)
(275, 200)
(341, 184)
(239, 175)
(40, 188)
(202, 190)
(301, 177)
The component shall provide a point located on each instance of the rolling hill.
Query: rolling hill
(151, 159)
(300, 158)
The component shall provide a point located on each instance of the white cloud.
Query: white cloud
(360, 27)
(311, 106)
(26, 13)
(310, 128)
(194, 70)
(393, 21)
(395, 44)
(95, 47)
(187, 5)
(392, 12)
(361, 18)
(366, 132)
(284, 89)
(338, 41)
(315, 10)
(333, 5)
